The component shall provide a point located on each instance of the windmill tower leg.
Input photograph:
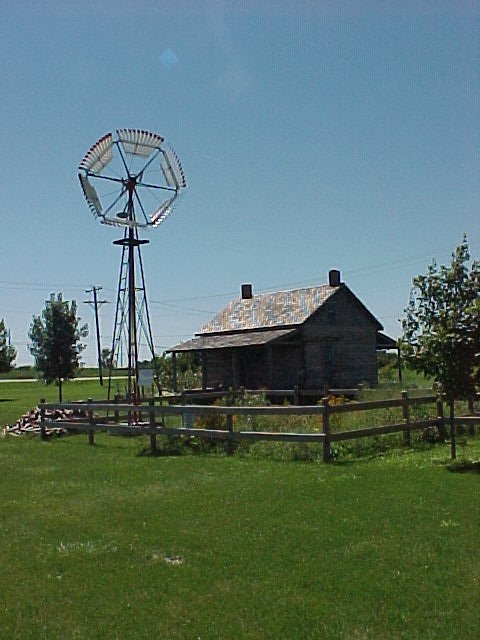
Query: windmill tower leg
(128, 311)
(132, 326)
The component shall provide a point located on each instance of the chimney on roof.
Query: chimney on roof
(334, 278)
(247, 292)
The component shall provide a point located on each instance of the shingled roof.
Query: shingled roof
(263, 318)
(268, 310)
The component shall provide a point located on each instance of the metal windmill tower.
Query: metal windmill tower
(132, 180)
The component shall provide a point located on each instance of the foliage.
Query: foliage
(386, 359)
(7, 352)
(218, 421)
(106, 358)
(189, 375)
(55, 338)
(441, 331)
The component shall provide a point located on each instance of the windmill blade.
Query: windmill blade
(121, 222)
(98, 156)
(110, 222)
(139, 143)
(168, 175)
(172, 169)
(91, 195)
(162, 212)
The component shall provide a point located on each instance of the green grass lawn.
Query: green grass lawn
(18, 397)
(99, 542)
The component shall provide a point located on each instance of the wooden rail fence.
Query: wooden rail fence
(150, 419)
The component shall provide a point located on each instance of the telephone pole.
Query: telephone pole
(96, 303)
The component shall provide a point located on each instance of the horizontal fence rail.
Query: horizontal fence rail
(297, 395)
(117, 417)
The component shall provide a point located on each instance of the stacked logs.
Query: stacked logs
(29, 423)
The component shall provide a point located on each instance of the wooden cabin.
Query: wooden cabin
(310, 338)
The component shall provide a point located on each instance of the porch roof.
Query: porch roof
(385, 342)
(229, 340)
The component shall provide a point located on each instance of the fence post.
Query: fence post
(441, 419)
(406, 418)
(229, 418)
(451, 419)
(116, 415)
(296, 395)
(326, 430)
(91, 436)
(470, 406)
(471, 411)
(151, 419)
(43, 432)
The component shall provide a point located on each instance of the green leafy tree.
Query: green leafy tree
(7, 352)
(188, 368)
(55, 341)
(106, 358)
(163, 368)
(441, 331)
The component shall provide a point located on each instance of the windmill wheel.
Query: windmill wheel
(131, 178)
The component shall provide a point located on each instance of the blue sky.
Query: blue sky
(313, 135)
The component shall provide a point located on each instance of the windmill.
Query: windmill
(131, 179)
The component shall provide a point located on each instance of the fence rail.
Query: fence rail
(297, 395)
(149, 419)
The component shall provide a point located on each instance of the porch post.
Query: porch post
(399, 365)
(174, 372)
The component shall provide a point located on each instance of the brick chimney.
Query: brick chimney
(247, 293)
(334, 278)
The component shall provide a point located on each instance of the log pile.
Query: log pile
(29, 423)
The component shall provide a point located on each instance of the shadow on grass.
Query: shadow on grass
(346, 463)
(464, 466)
(147, 452)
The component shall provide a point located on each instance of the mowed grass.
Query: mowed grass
(17, 398)
(99, 542)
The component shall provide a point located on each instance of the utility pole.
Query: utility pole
(96, 303)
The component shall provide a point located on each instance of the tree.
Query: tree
(55, 340)
(7, 352)
(187, 366)
(441, 331)
(106, 358)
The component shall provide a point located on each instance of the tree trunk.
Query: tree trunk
(60, 390)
